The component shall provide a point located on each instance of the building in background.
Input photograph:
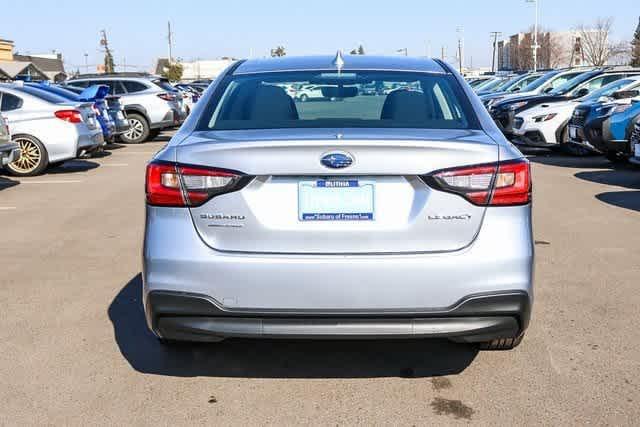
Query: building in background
(6, 50)
(51, 64)
(29, 67)
(199, 69)
(558, 49)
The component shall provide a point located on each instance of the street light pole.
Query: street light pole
(460, 32)
(86, 62)
(535, 46)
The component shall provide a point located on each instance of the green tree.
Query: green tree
(173, 72)
(635, 47)
(278, 51)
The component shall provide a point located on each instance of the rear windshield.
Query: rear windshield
(63, 92)
(45, 96)
(367, 99)
(164, 84)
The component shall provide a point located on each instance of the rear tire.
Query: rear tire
(502, 343)
(139, 131)
(304, 98)
(614, 156)
(33, 159)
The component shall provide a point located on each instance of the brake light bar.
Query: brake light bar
(496, 184)
(71, 116)
(171, 184)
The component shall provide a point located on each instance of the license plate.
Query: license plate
(336, 200)
(637, 150)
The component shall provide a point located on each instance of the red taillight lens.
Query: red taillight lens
(167, 96)
(71, 116)
(499, 184)
(513, 184)
(180, 186)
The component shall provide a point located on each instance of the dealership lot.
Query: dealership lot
(76, 349)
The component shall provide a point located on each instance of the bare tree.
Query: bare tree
(278, 51)
(596, 46)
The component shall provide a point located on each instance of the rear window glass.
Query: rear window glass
(164, 84)
(45, 96)
(367, 99)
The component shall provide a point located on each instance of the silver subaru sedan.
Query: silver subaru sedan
(388, 206)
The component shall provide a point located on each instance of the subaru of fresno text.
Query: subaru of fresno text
(401, 215)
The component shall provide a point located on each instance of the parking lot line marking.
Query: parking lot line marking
(116, 164)
(7, 208)
(70, 181)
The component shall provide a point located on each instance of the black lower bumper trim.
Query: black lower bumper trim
(476, 318)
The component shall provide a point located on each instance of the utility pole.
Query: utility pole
(460, 32)
(443, 53)
(495, 35)
(535, 46)
(86, 62)
(170, 41)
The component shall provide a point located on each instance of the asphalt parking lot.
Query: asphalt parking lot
(75, 348)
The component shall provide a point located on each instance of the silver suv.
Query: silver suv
(150, 102)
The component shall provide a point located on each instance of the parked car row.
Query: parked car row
(53, 123)
(582, 110)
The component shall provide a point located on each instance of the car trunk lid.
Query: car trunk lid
(382, 205)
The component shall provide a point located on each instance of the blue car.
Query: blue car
(617, 131)
(95, 94)
(586, 125)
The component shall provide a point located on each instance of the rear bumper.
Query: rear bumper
(9, 153)
(192, 317)
(362, 288)
(171, 119)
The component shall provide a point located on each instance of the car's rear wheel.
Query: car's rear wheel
(614, 156)
(502, 343)
(33, 159)
(139, 131)
(304, 98)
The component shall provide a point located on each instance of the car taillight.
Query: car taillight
(167, 96)
(71, 116)
(497, 184)
(170, 184)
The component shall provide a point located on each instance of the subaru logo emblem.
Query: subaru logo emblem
(336, 160)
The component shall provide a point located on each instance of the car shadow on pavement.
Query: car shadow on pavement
(623, 176)
(622, 199)
(575, 162)
(278, 358)
(73, 166)
(7, 183)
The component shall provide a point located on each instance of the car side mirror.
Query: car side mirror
(516, 89)
(549, 89)
(582, 92)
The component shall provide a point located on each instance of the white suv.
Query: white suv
(150, 102)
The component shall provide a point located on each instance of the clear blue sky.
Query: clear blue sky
(210, 29)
